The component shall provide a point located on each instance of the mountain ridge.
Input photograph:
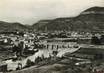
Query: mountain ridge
(92, 19)
(6, 26)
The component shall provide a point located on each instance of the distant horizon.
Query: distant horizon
(47, 18)
(28, 12)
(36, 21)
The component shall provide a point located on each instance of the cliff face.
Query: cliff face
(94, 10)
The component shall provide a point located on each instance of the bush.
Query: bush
(95, 40)
(29, 63)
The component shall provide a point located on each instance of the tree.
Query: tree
(102, 39)
(98, 56)
(95, 40)
(29, 63)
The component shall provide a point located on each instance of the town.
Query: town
(51, 36)
(82, 52)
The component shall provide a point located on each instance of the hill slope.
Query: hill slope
(40, 24)
(91, 19)
(5, 26)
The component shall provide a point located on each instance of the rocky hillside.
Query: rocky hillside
(91, 19)
(40, 25)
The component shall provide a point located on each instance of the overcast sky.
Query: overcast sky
(30, 11)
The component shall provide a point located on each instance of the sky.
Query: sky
(30, 11)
